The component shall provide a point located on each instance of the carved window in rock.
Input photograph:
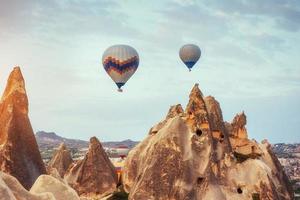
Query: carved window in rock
(199, 132)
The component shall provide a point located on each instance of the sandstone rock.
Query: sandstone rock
(5, 192)
(19, 153)
(11, 189)
(269, 157)
(196, 155)
(238, 126)
(243, 147)
(196, 110)
(46, 183)
(173, 111)
(219, 132)
(94, 176)
(61, 160)
(156, 168)
(54, 173)
(167, 165)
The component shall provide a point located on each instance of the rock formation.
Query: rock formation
(11, 189)
(94, 176)
(61, 160)
(59, 189)
(194, 154)
(19, 153)
(54, 173)
(45, 188)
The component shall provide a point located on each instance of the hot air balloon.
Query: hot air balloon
(120, 62)
(189, 54)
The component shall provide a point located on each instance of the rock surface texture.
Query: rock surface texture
(94, 176)
(193, 154)
(61, 160)
(57, 188)
(11, 189)
(19, 153)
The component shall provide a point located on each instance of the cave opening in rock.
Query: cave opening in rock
(221, 138)
(199, 180)
(239, 190)
(240, 157)
(198, 132)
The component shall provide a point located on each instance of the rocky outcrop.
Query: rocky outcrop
(59, 189)
(54, 173)
(61, 160)
(19, 153)
(243, 148)
(11, 189)
(94, 176)
(194, 154)
(45, 188)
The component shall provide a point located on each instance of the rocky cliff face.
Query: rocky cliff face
(94, 176)
(61, 160)
(19, 153)
(194, 154)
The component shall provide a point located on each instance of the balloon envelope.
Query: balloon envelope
(189, 54)
(120, 62)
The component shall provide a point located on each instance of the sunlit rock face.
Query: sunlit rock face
(94, 176)
(19, 153)
(61, 160)
(194, 154)
(59, 189)
(11, 189)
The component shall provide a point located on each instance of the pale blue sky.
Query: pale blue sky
(250, 61)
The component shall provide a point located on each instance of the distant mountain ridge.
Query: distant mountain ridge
(51, 139)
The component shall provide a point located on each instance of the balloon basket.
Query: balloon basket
(120, 90)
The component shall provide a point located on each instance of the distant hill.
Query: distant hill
(51, 139)
(283, 150)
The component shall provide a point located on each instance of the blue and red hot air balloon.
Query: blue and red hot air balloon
(120, 62)
(189, 54)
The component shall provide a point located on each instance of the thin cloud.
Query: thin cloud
(286, 14)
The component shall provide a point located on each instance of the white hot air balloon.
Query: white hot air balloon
(120, 62)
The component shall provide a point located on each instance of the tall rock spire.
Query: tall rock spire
(16, 84)
(94, 175)
(19, 153)
(196, 102)
(61, 160)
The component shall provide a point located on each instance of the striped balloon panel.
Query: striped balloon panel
(112, 64)
(121, 78)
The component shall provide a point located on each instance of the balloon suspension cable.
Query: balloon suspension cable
(190, 70)
(120, 90)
